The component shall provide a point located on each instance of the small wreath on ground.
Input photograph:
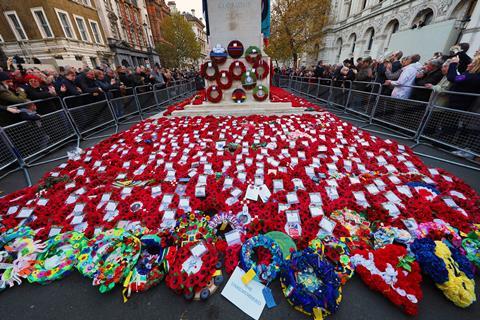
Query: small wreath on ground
(117, 261)
(191, 274)
(221, 221)
(249, 80)
(310, 284)
(471, 245)
(235, 49)
(239, 96)
(214, 94)
(260, 93)
(224, 80)
(209, 71)
(59, 257)
(262, 69)
(193, 228)
(253, 54)
(265, 273)
(237, 69)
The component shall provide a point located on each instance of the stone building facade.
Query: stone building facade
(373, 28)
(53, 32)
(198, 27)
(128, 32)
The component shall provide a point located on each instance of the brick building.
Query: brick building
(157, 11)
(55, 32)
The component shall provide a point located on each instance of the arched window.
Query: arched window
(392, 28)
(364, 4)
(353, 40)
(371, 35)
(339, 48)
(423, 18)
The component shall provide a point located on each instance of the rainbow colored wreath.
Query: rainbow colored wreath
(471, 245)
(249, 80)
(262, 69)
(117, 261)
(193, 228)
(209, 71)
(235, 49)
(151, 266)
(237, 69)
(18, 255)
(310, 284)
(224, 80)
(260, 93)
(449, 269)
(59, 257)
(239, 96)
(265, 273)
(214, 94)
(253, 55)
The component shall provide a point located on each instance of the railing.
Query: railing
(77, 118)
(450, 120)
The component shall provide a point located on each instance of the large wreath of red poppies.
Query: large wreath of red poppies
(237, 69)
(207, 69)
(262, 69)
(224, 80)
(214, 94)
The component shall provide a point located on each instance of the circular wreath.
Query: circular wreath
(260, 93)
(235, 49)
(309, 282)
(237, 69)
(193, 228)
(253, 54)
(262, 69)
(189, 274)
(151, 266)
(219, 55)
(338, 253)
(265, 273)
(117, 261)
(18, 255)
(471, 245)
(223, 220)
(209, 71)
(239, 96)
(59, 257)
(214, 94)
(249, 80)
(223, 76)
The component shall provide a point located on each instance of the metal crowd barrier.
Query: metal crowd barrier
(77, 118)
(450, 120)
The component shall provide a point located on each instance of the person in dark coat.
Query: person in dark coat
(432, 74)
(67, 85)
(319, 70)
(35, 91)
(469, 82)
(87, 82)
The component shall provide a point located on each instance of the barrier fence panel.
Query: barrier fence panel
(404, 114)
(454, 122)
(324, 89)
(146, 97)
(162, 96)
(95, 114)
(283, 82)
(8, 158)
(123, 104)
(340, 94)
(33, 138)
(363, 98)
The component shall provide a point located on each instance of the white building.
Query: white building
(198, 27)
(373, 28)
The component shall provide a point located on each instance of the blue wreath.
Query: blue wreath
(265, 273)
(324, 287)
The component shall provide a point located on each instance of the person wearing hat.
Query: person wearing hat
(8, 97)
(35, 91)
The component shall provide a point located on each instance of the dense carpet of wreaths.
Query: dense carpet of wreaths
(352, 187)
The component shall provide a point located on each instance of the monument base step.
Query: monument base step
(234, 109)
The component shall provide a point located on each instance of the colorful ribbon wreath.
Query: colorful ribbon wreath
(449, 269)
(193, 228)
(224, 80)
(260, 93)
(223, 220)
(58, 258)
(189, 274)
(253, 54)
(116, 263)
(471, 245)
(237, 69)
(262, 69)
(310, 284)
(209, 70)
(265, 273)
(214, 94)
(239, 95)
(18, 255)
(249, 80)
(151, 266)
(235, 49)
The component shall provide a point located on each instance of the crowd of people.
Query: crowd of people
(404, 77)
(26, 94)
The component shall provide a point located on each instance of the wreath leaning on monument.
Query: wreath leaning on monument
(209, 71)
(224, 80)
(262, 69)
(214, 94)
(237, 69)
(260, 93)
(235, 49)
(249, 80)
(253, 54)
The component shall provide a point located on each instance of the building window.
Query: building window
(364, 4)
(353, 38)
(82, 28)
(16, 25)
(42, 22)
(66, 24)
(97, 36)
(370, 35)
